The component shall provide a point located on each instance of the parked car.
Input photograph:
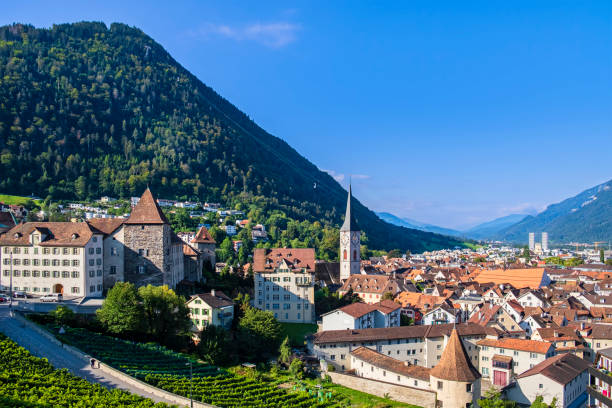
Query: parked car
(54, 297)
(19, 294)
(3, 298)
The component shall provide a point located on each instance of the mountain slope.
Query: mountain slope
(87, 110)
(410, 223)
(491, 228)
(586, 217)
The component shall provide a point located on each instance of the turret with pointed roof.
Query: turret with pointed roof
(147, 211)
(455, 364)
(349, 220)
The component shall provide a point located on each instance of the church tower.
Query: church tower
(350, 243)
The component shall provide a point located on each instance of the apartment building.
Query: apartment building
(363, 316)
(601, 394)
(563, 378)
(284, 283)
(502, 359)
(53, 257)
(419, 345)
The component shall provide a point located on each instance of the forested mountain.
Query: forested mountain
(87, 110)
(586, 217)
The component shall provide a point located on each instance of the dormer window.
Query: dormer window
(75, 235)
(17, 235)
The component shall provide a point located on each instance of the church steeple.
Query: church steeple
(349, 221)
(350, 243)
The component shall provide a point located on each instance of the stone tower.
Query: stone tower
(350, 243)
(148, 242)
(454, 378)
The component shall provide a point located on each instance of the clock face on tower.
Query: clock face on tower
(344, 239)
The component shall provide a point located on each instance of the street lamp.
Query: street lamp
(190, 364)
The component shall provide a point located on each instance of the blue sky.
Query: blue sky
(446, 112)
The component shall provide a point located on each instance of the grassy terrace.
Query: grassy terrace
(15, 200)
(297, 332)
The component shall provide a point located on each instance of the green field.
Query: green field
(15, 200)
(297, 332)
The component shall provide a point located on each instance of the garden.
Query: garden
(28, 381)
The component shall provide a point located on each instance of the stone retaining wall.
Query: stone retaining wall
(177, 399)
(408, 395)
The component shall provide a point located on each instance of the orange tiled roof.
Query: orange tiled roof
(518, 278)
(534, 346)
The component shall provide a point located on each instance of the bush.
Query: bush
(297, 368)
(62, 315)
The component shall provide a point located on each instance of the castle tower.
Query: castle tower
(350, 243)
(455, 380)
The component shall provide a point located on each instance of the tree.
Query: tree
(258, 333)
(406, 321)
(394, 253)
(297, 368)
(493, 399)
(284, 351)
(165, 312)
(539, 403)
(62, 315)
(122, 311)
(213, 344)
(387, 296)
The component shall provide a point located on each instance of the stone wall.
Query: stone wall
(408, 395)
(152, 238)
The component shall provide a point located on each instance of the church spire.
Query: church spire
(349, 221)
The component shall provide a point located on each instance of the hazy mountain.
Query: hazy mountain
(410, 223)
(586, 217)
(491, 228)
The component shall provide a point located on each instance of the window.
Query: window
(26, 273)
(286, 306)
(7, 272)
(99, 272)
(92, 288)
(56, 251)
(541, 386)
(56, 274)
(99, 261)
(98, 250)
(74, 289)
(66, 251)
(17, 273)
(113, 270)
(99, 287)
(141, 252)
(46, 290)
(46, 251)
(26, 261)
(95, 239)
(75, 262)
(65, 274)
(468, 388)
(114, 251)
(75, 274)
(91, 262)
(35, 289)
(275, 306)
(36, 274)
(75, 251)
(440, 385)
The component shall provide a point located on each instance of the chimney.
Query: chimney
(212, 292)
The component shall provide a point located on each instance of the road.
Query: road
(60, 358)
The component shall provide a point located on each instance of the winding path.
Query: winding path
(60, 358)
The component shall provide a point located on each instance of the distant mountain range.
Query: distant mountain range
(586, 217)
(480, 231)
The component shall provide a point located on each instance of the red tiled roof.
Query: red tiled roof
(390, 364)
(74, 234)
(106, 225)
(534, 346)
(266, 260)
(203, 237)
(519, 278)
(147, 211)
(455, 364)
(561, 368)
